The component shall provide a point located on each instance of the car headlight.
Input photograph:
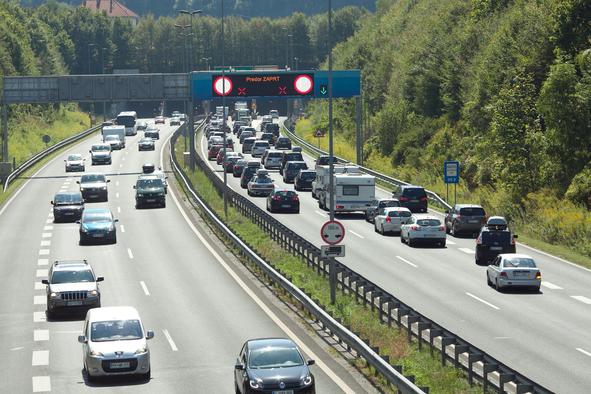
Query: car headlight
(140, 194)
(83, 229)
(54, 294)
(307, 380)
(81, 189)
(112, 227)
(104, 188)
(95, 353)
(93, 293)
(256, 384)
(142, 350)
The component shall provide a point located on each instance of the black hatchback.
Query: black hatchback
(283, 200)
(67, 206)
(304, 179)
(412, 197)
(283, 143)
(272, 365)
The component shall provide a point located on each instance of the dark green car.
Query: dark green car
(149, 190)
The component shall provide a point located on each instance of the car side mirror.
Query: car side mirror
(239, 366)
(89, 151)
(310, 362)
(100, 278)
(65, 160)
(515, 236)
(116, 221)
(108, 180)
(51, 202)
(447, 211)
(77, 221)
(78, 182)
(45, 281)
(149, 334)
(134, 186)
(82, 339)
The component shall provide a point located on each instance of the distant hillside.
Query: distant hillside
(247, 8)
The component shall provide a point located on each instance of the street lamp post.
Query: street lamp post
(207, 59)
(102, 72)
(191, 13)
(89, 71)
(286, 48)
(185, 68)
(296, 59)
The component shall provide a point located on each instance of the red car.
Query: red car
(213, 151)
(220, 156)
(159, 119)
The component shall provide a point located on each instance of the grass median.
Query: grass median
(392, 342)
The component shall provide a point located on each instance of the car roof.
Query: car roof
(70, 265)
(468, 206)
(411, 187)
(307, 170)
(113, 313)
(388, 209)
(516, 255)
(496, 220)
(266, 342)
(425, 216)
(100, 144)
(387, 199)
(77, 193)
(148, 176)
(96, 210)
(92, 173)
(291, 162)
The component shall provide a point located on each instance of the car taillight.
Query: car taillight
(423, 199)
(402, 198)
(512, 240)
(504, 274)
(276, 198)
(441, 228)
(414, 228)
(388, 220)
(539, 275)
(479, 240)
(340, 206)
(295, 198)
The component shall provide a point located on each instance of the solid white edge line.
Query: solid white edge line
(586, 353)
(483, 301)
(407, 262)
(582, 299)
(170, 341)
(321, 364)
(41, 384)
(358, 235)
(144, 288)
(129, 253)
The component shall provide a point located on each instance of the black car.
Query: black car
(283, 200)
(149, 190)
(283, 143)
(247, 174)
(376, 205)
(289, 156)
(304, 179)
(324, 160)
(238, 168)
(467, 218)
(272, 365)
(411, 197)
(494, 238)
(146, 144)
(152, 133)
(67, 206)
(94, 187)
(272, 128)
(268, 137)
(291, 170)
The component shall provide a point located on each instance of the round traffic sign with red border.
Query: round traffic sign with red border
(303, 84)
(332, 232)
(222, 86)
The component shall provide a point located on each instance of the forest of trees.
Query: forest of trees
(504, 86)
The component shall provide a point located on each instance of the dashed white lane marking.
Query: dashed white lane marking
(41, 384)
(357, 235)
(45, 243)
(40, 357)
(120, 165)
(46, 235)
(117, 183)
(144, 288)
(551, 286)
(40, 335)
(583, 299)
(47, 228)
(129, 253)
(169, 339)
(40, 300)
(117, 195)
(122, 227)
(118, 209)
(39, 286)
(407, 262)
(320, 213)
(39, 317)
(467, 250)
(483, 301)
(42, 261)
(586, 353)
(450, 242)
(48, 221)
(14, 349)
(41, 273)
(123, 159)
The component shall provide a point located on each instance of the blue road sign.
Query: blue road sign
(206, 85)
(451, 171)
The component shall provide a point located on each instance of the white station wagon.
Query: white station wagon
(423, 229)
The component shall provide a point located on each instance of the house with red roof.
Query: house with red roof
(113, 9)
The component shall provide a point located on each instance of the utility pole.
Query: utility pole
(332, 265)
(224, 115)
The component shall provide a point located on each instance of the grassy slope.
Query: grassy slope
(391, 341)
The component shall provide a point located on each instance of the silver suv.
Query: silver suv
(72, 285)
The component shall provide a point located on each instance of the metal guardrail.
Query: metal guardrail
(39, 156)
(452, 348)
(393, 374)
(382, 177)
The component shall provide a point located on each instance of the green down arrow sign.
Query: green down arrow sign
(323, 90)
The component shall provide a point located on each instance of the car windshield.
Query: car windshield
(264, 179)
(60, 277)
(472, 212)
(285, 193)
(92, 178)
(428, 222)
(520, 262)
(96, 217)
(297, 166)
(414, 192)
(146, 140)
(115, 330)
(111, 138)
(67, 199)
(401, 214)
(389, 203)
(149, 183)
(294, 157)
(307, 175)
(100, 148)
(274, 357)
(274, 154)
(74, 157)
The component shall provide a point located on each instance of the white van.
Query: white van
(118, 131)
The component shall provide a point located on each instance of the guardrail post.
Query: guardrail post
(422, 326)
(4, 132)
(409, 321)
(459, 349)
(471, 359)
(433, 333)
(488, 368)
(444, 342)
(504, 378)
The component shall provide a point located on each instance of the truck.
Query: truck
(353, 190)
(219, 110)
(118, 131)
(494, 238)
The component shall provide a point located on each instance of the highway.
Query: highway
(200, 302)
(544, 336)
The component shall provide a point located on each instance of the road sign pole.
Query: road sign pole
(332, 280)
(224, 120)
(359, 140)
(5, 132)
(191, 137)
(330, 128)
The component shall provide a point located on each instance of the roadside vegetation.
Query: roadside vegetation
(391, 341)
(502, 86)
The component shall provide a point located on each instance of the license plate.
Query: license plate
(98, 235)
(69, 213)
(474, 221)
(521, 274)
(496, 248)
(283, 392)
(285, 205)
(151, 200)
(414, 200)
(93, 195)
(74, 303)
(119, 365)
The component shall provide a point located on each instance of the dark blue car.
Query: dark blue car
(97, 225)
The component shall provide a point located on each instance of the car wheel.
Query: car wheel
(163, 205)
(536, 289)
(114, 239)
(236, 389)
(382, 230)
(401, 238)
(297, 210)
(147, 375)
(488, 282)
(409, 241)
(375, 228)
(50, 314)
(442, 244)
(499, 288)
(446, 228)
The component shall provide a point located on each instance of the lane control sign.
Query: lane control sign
(332, 232)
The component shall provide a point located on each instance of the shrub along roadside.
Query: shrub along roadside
(544, 221)
(391, 342)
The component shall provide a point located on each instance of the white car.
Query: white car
(423, 228)
(513, 270)
(259, 147)
(114, 141)
(75, 162)
(274, 113)
(114, 343)
(391, 219)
